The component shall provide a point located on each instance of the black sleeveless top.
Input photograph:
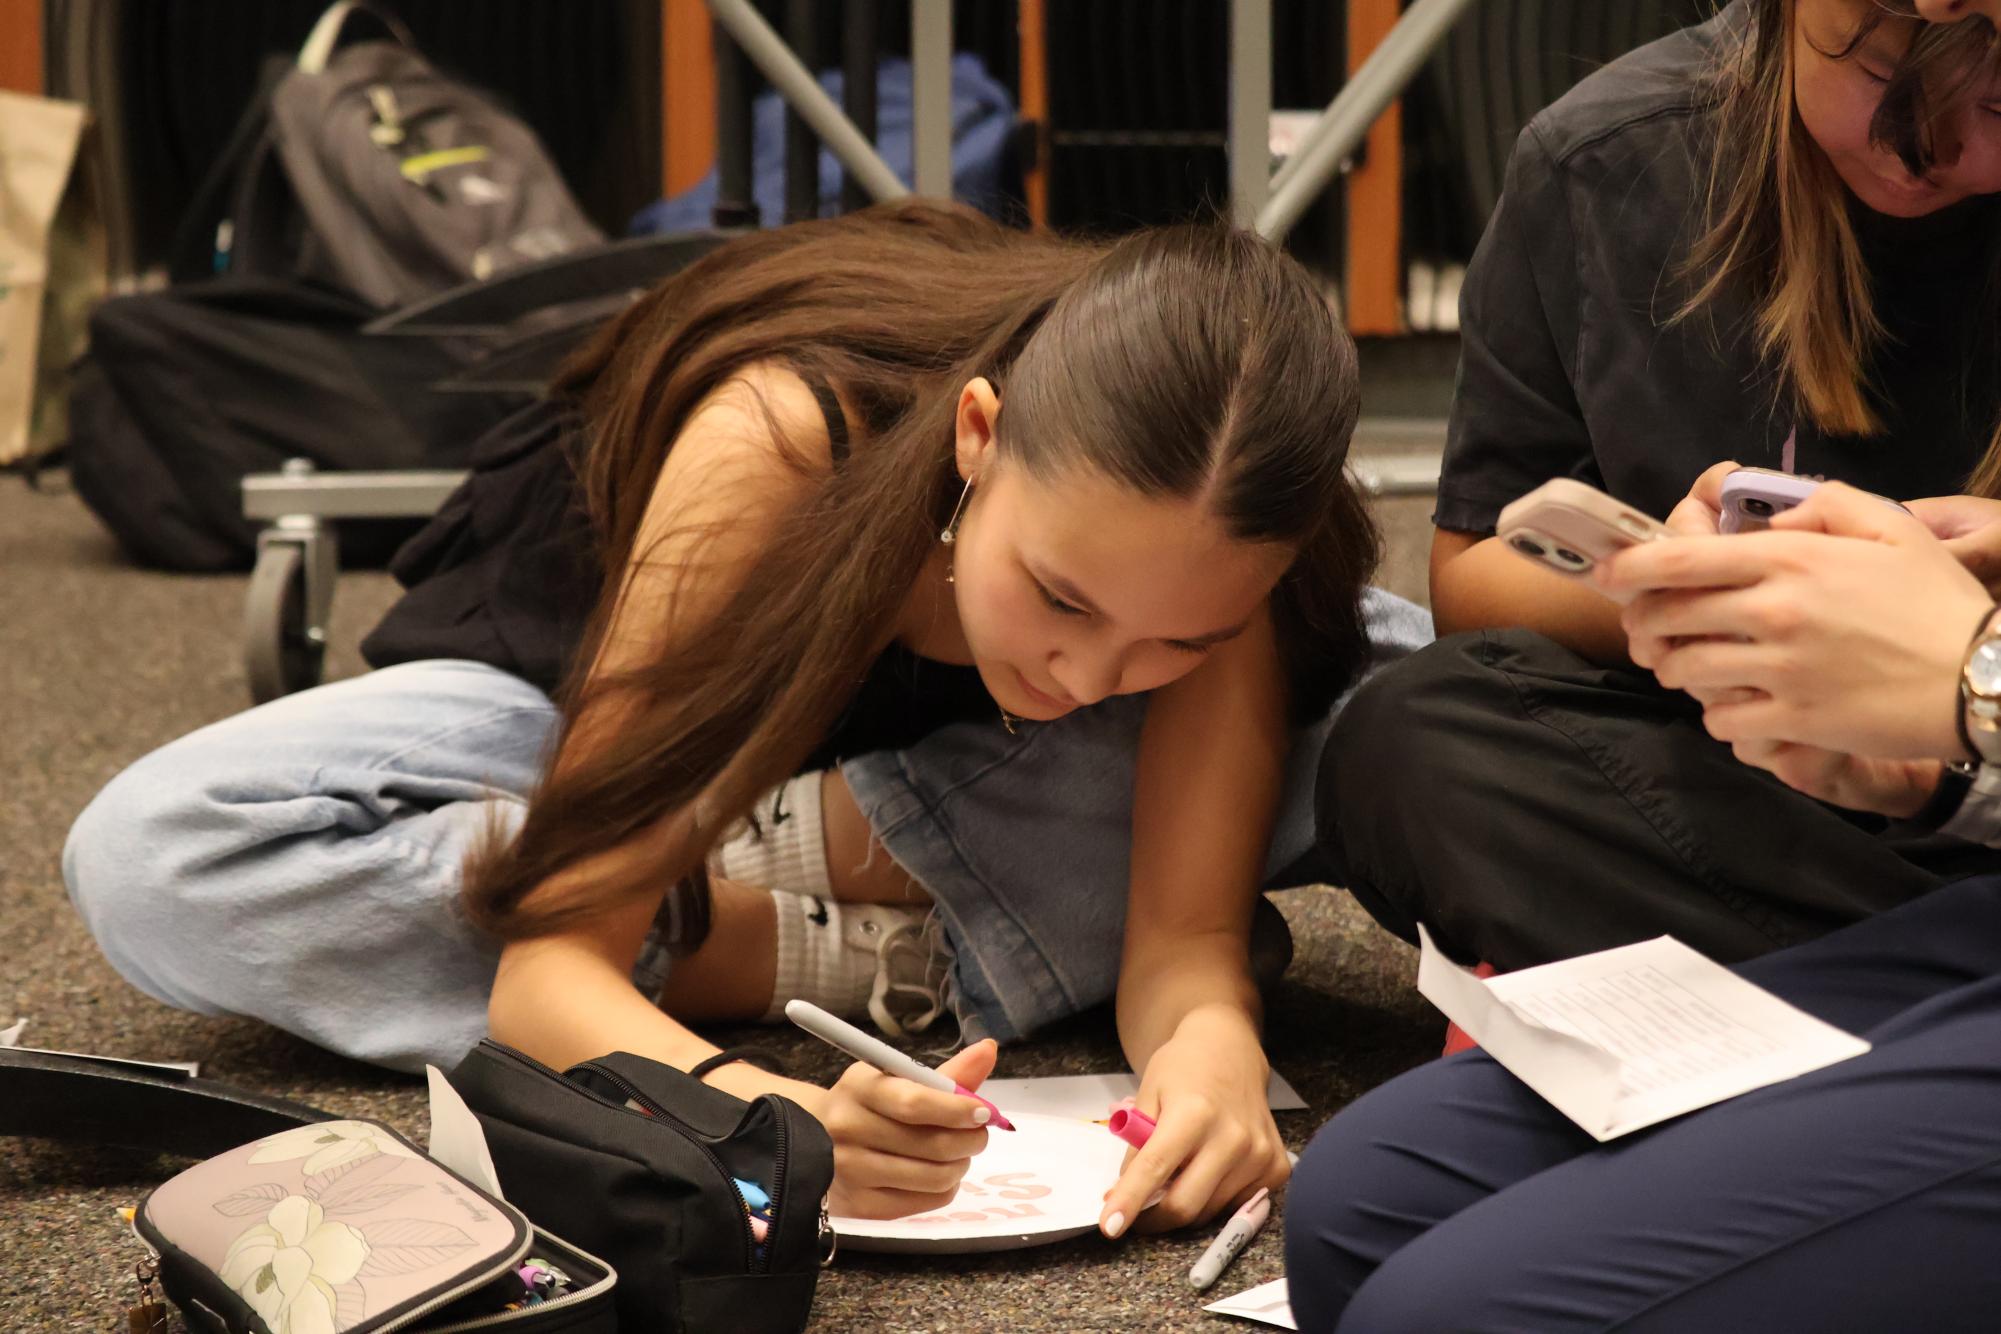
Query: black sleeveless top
(507, 573)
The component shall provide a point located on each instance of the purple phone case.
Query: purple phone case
(1781, 491)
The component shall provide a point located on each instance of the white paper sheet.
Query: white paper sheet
(1089, 1097)
(457, 1140)
(1268, 1303)
(10, 1038)
(1042, 1182)
(1626, 1038)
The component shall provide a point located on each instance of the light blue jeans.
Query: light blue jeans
(300, 863)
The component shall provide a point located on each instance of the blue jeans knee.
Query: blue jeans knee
(301, 863)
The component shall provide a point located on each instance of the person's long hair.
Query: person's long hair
(1777, 231)
(1182, 362)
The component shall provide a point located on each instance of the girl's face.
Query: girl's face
(1076, 589)
(1838, 97)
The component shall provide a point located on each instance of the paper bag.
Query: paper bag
(40, 259)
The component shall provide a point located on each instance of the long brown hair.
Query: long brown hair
(1777, 228)
(1186, 361)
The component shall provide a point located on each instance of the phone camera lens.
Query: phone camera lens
(1528, 546)
(1756, 508)
(1570, 559)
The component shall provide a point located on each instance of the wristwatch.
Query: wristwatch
(1980, 693)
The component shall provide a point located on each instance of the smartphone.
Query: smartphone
(1751, 496)
(1568, 527)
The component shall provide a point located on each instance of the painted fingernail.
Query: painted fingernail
(981, 1116)
(1115, 1224)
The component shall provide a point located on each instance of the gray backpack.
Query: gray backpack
(363, 167)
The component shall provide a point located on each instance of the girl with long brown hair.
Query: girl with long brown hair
(939, 620)
(1772, 240)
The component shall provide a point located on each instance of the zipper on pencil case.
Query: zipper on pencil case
(751, 1264)
(529, 1317)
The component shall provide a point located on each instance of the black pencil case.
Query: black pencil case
(641, 1162)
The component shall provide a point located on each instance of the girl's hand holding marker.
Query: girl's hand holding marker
(1207, 1145)
(903, 1133)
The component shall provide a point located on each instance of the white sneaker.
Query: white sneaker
(907, 996)
(851, 959)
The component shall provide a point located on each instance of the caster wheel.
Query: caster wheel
(283, 653)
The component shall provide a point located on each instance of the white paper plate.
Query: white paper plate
(1044, 1182)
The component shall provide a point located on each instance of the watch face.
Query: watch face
(1983, 669)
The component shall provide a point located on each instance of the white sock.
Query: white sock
(784, 849)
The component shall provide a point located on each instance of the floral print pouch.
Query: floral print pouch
(345, 1227)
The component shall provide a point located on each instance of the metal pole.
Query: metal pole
(795, 83)
(861, 29)
(1342, 127)
(931, 97)
(802, 150)
(735, 204)
(1250, 108)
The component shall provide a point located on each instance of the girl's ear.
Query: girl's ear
(973, 427)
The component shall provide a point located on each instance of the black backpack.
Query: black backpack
(187, 391)
(363, 168)
(380, 266)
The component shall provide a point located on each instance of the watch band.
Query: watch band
(1946, 799)
(1978, 819)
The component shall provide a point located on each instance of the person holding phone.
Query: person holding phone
(1774, 238)
(1848, 653)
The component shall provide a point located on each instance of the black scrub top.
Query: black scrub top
(507, 573)
(1570, 366)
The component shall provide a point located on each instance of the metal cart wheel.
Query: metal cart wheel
(284, 615)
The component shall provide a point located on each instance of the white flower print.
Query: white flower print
(288, 1266)
(329, 1144)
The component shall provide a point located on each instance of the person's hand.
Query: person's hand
(1700, 512)
(1806, 635)
(1896, 788)
(1215, 1143)
(1970, 527)
(900, 1148)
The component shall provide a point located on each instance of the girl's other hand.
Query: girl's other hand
(1215, 1142)
(900, 1148)
(1970, 527)
(1896, 788)
(1701, 510)
(1805, 634)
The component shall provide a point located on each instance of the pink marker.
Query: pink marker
(1130, 1124)
(846, 1037)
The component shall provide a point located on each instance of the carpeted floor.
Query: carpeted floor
(101, 662)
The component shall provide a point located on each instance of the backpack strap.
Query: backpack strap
(93, 1101)
(195, 253)
(325, 36)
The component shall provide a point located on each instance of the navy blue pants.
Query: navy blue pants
(1865, 1196)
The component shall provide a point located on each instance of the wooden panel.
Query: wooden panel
(1375, 193)
(1034, 36)
(21, 46)
(687, 94)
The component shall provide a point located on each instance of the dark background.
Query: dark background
(1138, 92)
